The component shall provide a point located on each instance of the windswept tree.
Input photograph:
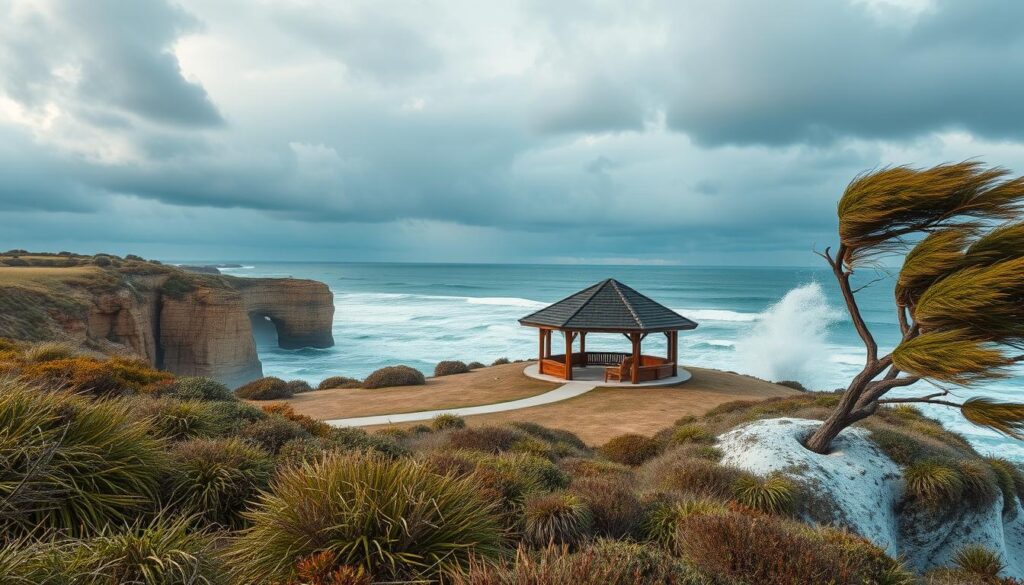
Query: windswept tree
(959, 297)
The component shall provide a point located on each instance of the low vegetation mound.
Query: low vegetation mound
(394, 376)
(450, 367)
(339, 382)
(410, 523)
(269, 388)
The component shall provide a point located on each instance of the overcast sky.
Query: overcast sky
(689, 132)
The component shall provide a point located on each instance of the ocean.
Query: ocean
(774, 323)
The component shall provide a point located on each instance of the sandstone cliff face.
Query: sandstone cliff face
(302, 310)
(201, 326)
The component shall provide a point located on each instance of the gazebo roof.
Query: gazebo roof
(608, 306)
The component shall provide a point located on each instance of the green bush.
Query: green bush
(338, 382)
(447, 421)
(214, 478)
(774, 494)
(48, 352)
(934, 483)
(979, 561)
(199, 388)
(699, 477)
(475, 365)
(504, 479)
(692, 433)
(616, 510)
(579, 467)
(394, 376)
(395, 518)
(768, 549)
(557, 518)
(489, 439)
(980, 483)
(1010, 480)
(299, 386)
(162, 552)
(630, 449)
(662, 515)
(71, 463)
(450, 367)
(273, 432)
(500, 361)
(178, 420)
(554, 436)
(354, 439)
(234, 414)
(269, 388)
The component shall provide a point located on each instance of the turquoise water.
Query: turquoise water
(775, 323)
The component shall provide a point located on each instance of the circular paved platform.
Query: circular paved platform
(595, 375)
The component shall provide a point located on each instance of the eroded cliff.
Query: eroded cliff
(189, 324)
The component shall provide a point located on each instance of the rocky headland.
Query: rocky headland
(185, 322)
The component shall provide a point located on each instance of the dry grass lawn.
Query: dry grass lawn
(483, 386)
(45, 275)
(595, 416)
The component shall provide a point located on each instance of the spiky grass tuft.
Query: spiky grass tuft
(395, 518)
(557, 518)
(934, 483)
(774, 494)
(980, 561)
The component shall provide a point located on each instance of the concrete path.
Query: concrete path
(564, 392)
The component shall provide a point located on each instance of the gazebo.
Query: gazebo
(608, 307)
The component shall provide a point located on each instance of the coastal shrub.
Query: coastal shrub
(273, 432)
(536, 470)
(616, 510)
(213, 479)
(933, 482)
(792, 384)
(447, 421)
(178, 420)
(503, 482)
(355, 439)
(450, 367)
(70, 463)
(475, 365)
(554, 436)
(200, 388)
(500, 361)
(578, 467)
(630, 449)
(1010, 480)
(662, 515)
(162, 552)
(980, 483)
(774, 494)
(674, 472)
(113, 377)
(556, 518)
(766, 549)
(695, 451)
(603, 562)
(338, 382)
(979, 561)
(692, 433)
(490, 439)
(394, 376)
(299, 386)
(269, 388)
(48, 351)
(397, 519)
(234, 414)
(315, 427)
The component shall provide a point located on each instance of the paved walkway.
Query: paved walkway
(564, 392)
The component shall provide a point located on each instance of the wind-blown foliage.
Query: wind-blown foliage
(959, 295)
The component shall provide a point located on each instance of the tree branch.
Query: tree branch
(922, 400)
(843, 276)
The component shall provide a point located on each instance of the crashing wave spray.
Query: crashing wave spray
(789, 341)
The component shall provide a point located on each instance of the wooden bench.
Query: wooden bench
(651, 368)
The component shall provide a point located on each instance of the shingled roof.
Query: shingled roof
(608, 306)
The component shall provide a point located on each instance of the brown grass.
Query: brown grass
(483, 386)
(596, 416)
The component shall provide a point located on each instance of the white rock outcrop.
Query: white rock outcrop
(859, 488)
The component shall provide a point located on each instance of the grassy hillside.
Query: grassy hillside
(112, 473)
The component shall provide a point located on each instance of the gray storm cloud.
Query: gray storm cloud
(682, 131)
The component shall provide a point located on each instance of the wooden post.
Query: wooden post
(568, 354)
(635, 373)
(675, 353)
(547, 343)
(583, 347)
(540, 352)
